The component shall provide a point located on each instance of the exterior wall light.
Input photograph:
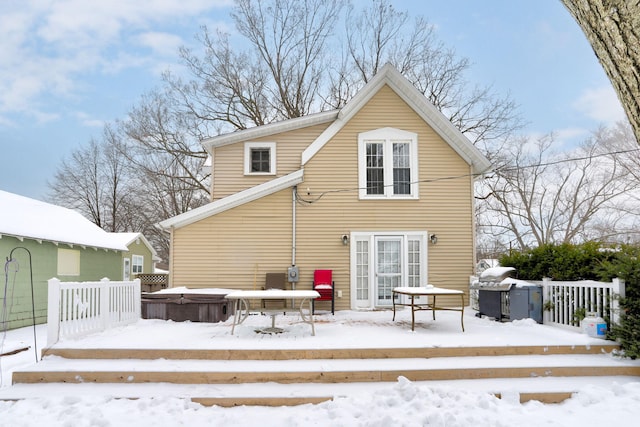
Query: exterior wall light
(433, 238)
(345, 239)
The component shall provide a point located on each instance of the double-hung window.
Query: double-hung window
(260, 158)
(137, 264)
(387, 164)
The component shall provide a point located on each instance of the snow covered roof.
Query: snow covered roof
(127, 238)
(23, 217)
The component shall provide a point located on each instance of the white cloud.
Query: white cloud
(87, 120)
(52, 48)
(164, 44)
(600, 104)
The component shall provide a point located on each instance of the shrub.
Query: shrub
(590, 261)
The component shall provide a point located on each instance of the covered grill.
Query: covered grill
(502, 297)
(493, 292)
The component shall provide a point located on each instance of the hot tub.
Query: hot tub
(184, 304)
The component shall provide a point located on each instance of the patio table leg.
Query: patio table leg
(394, 307)
(238, 315)
(308, 319)
(413, 313)
(462, 311)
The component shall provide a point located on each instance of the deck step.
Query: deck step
(199, 371)
(311, 376)
(298, 354)
(546, 390)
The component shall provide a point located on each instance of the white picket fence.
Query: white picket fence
(79, 308)
(565, 303)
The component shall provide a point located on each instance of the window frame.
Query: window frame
(134, 264)
(249, 146)
(387, 137)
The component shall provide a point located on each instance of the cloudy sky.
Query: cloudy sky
(67, 67)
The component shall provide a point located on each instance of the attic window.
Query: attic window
(260, 158)
(388, 164)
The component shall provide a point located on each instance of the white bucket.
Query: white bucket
(594, 326)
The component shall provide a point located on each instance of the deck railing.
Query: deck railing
(566, 303)
(80, 308)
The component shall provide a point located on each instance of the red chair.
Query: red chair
(324, 285)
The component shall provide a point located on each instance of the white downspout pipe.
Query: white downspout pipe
(293, 225)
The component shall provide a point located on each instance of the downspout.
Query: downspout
(293, 225)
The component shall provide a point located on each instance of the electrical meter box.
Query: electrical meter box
(292, 274)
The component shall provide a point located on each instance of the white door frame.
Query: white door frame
(126, 269)
(363, 254)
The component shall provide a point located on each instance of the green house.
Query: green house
(140, 258)
(39, 241)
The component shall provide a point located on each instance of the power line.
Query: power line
(470, 175)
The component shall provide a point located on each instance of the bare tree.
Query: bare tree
(280, 76)
(163, 141)
(381, 34)
(613, 29)
(537, 196)
(294, 66)
(94, 181)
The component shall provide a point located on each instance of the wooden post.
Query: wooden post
(53, 312)
(137, 299)
(618, 292)
(546, 290)
(104, 303)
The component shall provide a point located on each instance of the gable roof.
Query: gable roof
(391, 77)
(269, 129)
(387, 75)
(234, 200)
(128, 238)
(22, 217)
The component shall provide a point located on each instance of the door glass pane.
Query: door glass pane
(413, 275)
(389, 268)
(362, 270)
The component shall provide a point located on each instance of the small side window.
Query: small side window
(260, 158)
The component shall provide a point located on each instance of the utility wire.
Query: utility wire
(469, 175)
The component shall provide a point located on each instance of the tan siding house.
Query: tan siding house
(380, 192)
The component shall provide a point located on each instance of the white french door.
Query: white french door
(388, 268)
(381, 261)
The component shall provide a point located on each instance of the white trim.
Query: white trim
(387, 136)
(126, 269)
(418, 102)
(271, 146)
(269, 129)
(128, 238)
(233, 200)
(370, 237)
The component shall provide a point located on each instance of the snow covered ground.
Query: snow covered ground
(600, 400)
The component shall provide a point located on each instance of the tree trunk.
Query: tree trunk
(613, 29)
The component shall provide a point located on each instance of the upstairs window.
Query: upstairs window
(387, 164)
(260, 158)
